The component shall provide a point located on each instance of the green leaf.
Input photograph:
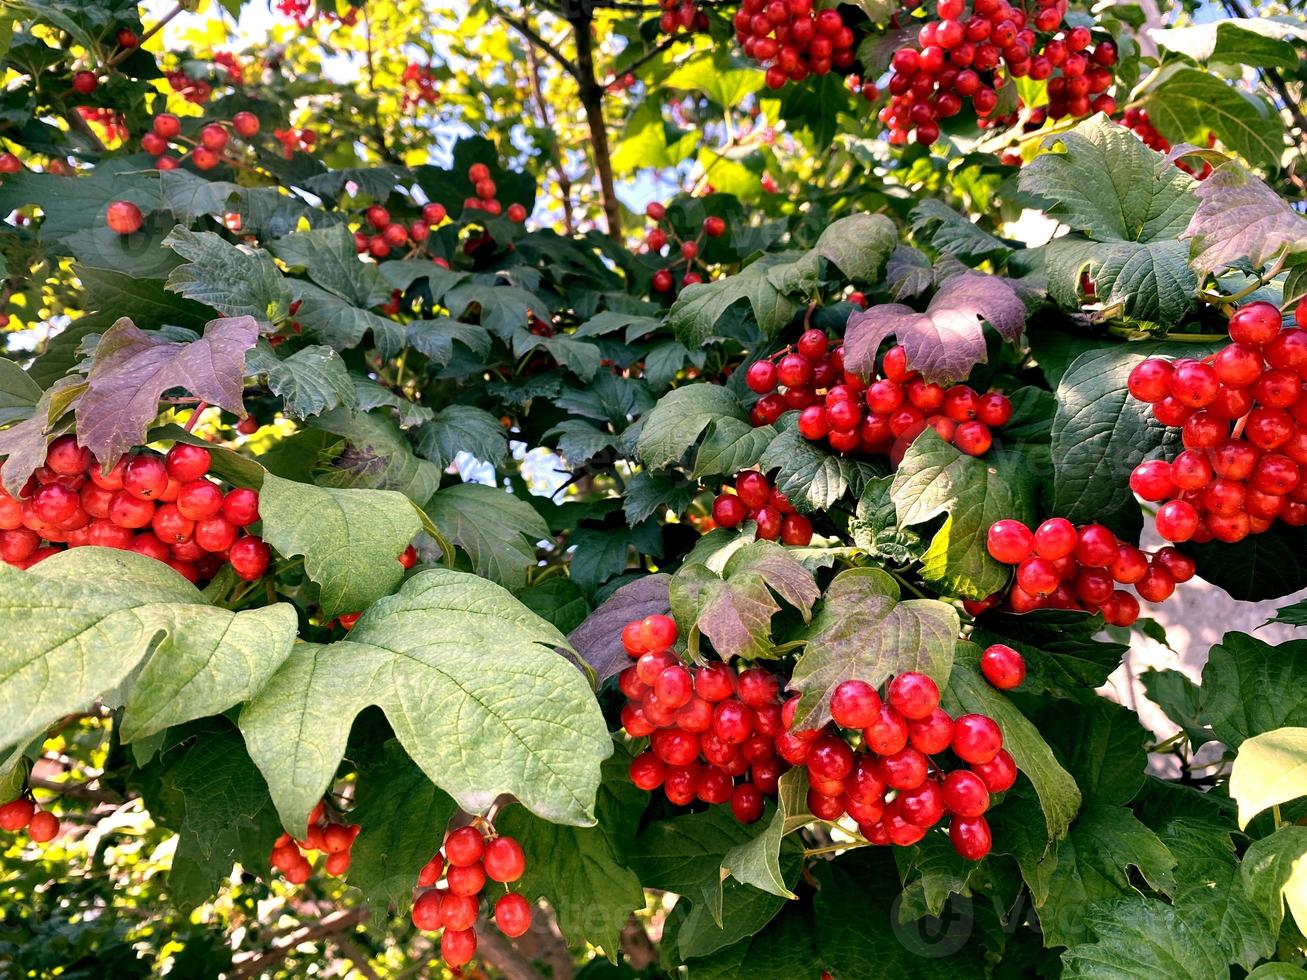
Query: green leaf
(1182, 701)
(950, 232)
(734, 609)
(1126, 205)
(1294, 614)
(531, 727)
(1187, 103)
(341, 324)
(503, 310)
(1103, 746)
(1143, 939)
(1261, 41)
(235, 280)
(731, 445)
(1100, 434)
(402, 816)
(931, 871)
(758, 862)
(1239, 217)
(716, 74)
(1210, 895)
(70, 205)
(375, 456)
(1261, 566)
(189, 196)
(310, 381)
(87, 620)
(18, 392)
(1059, 797)
(350, 539)
(582, 871)
(578, 441)
(1090, 865)
(600, 553)
(936, 479)
(131, 370)
(776, 286)
(648, 493)
(864, 632)
(1251, 688)
(811, 478)
(462, 428)
(678, 420)
(436, 338)
(1270, 769)
(665, 360)
(330, 259)
(875, 526)
(498, 531)
(558, 600)
(1274, 872)
(1064, 654)
(215, 799)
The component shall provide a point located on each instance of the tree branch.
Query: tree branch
(653, 52)
(530, 33)
(1237, 8)
(339, 921)
(592, 100)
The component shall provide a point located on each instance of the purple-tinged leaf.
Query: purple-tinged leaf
(599, 639)
(1240, 217)
(946, 341)
(23, 444)
(131, 370)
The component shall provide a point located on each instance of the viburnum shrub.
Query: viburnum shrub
(723, 489)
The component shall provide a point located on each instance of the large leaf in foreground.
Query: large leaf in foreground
(1239, 217)
(84, 621)
(680, 417)
(498, 531)
(530, 726)
(1270, 769)
(350, 539)
(131, 370)
(1251, 687)
(864, 632)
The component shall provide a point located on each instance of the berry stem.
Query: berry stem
(1256, 284)
(835, 848)
(163, 21)
(195, 415)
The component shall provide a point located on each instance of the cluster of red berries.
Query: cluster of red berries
(165, 130)
(707, 724)
(194, 90)
(485, 199)
(467, 861)
(1061, 566)
(958, 57)
(42, 826)
(892, 785)
(421, 87)
(295, 140)
(113, 127)
(388, 234)
(880, 418)
(1242, 416)
(164, 507)
(305, 13)
(755, 499)
(681, 15)
(792, 40)
(660, 237)
(290, 856)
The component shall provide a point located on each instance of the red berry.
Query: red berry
(1009, 541)
(976, 738)
(1177, 520)
(1150, 381)
(714, 226)
(123, 217)
(249, 558)
(1055, 539)
(970, 837)
(888, 733)
(746, 803)
(426, 910)
(1095, 546)
(16, 814)
(43, 827)
(854, 704)
(965, 793)
(213, 137)
(1003, 667)
(186, 462)
(999, 773)
(513, 915)
(1255, 324)
(457, 946)
(145, 477)
(913, 695)
(246, 124)
(464, 846)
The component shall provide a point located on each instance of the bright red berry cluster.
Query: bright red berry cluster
(334, 839)
(467, 861)
(755, 499)
(683, 253)
(793, 40)
(206, 152)
(880, 418)
(164, 507)
(892, 784)
(681, 15)
(42, 826)
(421, 86)
(970, 56)
(708, 725)
(1242, 417)
(1061, 566)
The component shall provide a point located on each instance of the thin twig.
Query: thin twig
(530, 33)
(126, 52)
